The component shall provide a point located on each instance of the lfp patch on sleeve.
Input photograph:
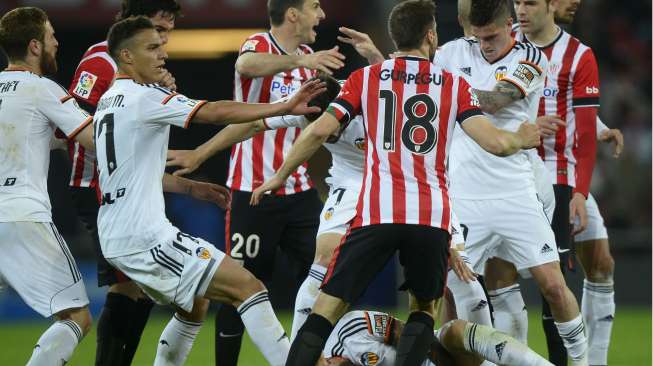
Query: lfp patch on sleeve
(85, 85)
(250, 45)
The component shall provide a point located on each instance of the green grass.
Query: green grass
(631, 341)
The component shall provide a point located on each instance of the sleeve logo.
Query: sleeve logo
(191, 103)
(250, 45)
(85, 85)
(524, 74)
(591, 90)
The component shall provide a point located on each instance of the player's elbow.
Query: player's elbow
(245, 66)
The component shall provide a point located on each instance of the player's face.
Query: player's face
(493, 38)
(164, 23)
(309, 17)
(148, 56)
(566, 10)
(48, 58)
(532, 15)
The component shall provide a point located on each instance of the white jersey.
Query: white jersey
(31, 107)
(347, 151)
(132, 124)
(475, 173)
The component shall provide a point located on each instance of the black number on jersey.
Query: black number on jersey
(107, 121)
(340, 192)
(416, 120)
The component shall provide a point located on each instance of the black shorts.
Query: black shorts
(253, 233)
(86, 203)
(423, 252)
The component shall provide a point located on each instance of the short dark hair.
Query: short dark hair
(18, 28)
(123, 31)
(409, 21)
(148, 8)
(277, 9)
(323, 100)
(484, 12)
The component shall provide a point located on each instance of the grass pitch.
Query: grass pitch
(631, 341)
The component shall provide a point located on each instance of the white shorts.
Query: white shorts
(339, 209)
(174, 272)
(36, 262)
(595, 229)
(514, 229)
(457, 232)
(543, 186)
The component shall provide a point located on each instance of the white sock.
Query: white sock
(176, 342)
(500, 348)
(471, 303)
(306, 296)
(598, 310)
(510, 315)
(264, 328)
(57, 344)
(574, 339)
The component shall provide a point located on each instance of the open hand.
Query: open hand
(615, 136)
(362, 43)
(577, 213)
(210, 192)
(530, 134)
(272, 184)
(459, 267)
(297, 104)
(325, 61)
(549, 125)
(188, 160)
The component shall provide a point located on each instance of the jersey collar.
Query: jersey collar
(505, 53)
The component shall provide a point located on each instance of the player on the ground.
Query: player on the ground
(410, 152)
(370, 338)
(270, 66)
(572, 93)
(35, 259)
(126, 309)
(132, 124)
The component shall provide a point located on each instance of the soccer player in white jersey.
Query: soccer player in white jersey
(132, 124)
(35, 259)
(370, 338)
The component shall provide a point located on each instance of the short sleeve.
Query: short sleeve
(61, 109)
(274, 123)
(255, 43)
(586, 90)
(347, 104)
(161, 106)
(528, 71)
(92, 79)
(467, 102)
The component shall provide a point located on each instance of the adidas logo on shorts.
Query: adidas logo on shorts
(480, 305)
(499, 348)
(546, 249)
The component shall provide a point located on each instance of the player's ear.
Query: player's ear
(35, 47)
(292, 14)
(126, 56)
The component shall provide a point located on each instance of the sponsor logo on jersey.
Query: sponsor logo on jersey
(474, 98)
(524, 74)
(591, 90)
(360, 143)
(85, 85)
(550, 92)
(500, 73)
(546, 249)
(369, 359)
(329, 213)
(283, 89)
(466, 70)
(250, 45)
(203, 253)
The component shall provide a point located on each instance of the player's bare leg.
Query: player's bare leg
(598, 296)
(564, 309)
(234, 285)
(57, 343)
(179, 335)
(310, 288)
(510, 314)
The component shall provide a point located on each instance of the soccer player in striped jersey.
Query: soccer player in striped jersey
(126, 308)
(270, 66)
(36, 261)
(407, 154)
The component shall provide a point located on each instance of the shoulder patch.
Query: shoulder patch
(85, 85)
(249, 45)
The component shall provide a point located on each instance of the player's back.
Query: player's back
(28, 106)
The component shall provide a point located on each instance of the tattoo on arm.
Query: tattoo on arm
(503, 94)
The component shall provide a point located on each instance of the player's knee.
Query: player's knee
(452, 333)
(250, 286)
(554, 292)
(601, 269)
(81, 316)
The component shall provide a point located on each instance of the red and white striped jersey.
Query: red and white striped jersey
(571, 91)
(409, 107)
(256, 160)
(92, 78)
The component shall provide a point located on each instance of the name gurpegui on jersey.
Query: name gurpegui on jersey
(475, 173)
(409, 108)
(132, 125)
(571, 92)
(31, 108)
(256, 160)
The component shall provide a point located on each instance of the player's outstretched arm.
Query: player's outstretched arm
(190, 160)
(200, 190)
(501, 142)
(311, 138)
(253, 65)
(228, 112)
(85, 137)
(362, 43)
(501, 95)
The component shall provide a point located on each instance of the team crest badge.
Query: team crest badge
(203, 253)
(329, 213)
(360, 143)
(500, 73)
(369, 359)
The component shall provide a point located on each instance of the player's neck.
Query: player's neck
(24, 66)
(416, 52)
(286, 38)
(545, 36)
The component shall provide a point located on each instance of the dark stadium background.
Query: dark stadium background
(619, 33)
